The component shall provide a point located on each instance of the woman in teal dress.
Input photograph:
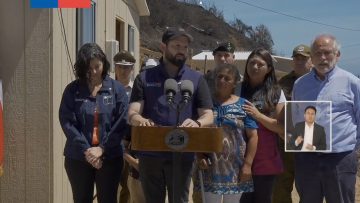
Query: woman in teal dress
(226, 175)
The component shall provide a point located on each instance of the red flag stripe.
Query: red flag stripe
(74, 3)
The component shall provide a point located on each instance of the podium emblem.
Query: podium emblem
(177, 139)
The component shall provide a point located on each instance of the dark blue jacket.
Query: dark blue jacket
(76, 116)
(149, 87)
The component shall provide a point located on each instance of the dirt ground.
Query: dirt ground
(295, 196)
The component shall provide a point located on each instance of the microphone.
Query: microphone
(170, 89)
(187, 90)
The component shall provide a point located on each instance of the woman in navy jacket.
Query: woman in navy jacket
(92, 114)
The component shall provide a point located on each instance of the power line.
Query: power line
(63, 32)
(350, 59)
(351, 45)
(298, 18)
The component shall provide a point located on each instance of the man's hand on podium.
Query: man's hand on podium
(146, 122)
(190, 123)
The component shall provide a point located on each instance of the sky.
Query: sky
(288, 32)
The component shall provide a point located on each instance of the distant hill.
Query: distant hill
(207, 29)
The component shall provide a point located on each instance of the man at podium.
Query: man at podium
(150, 106)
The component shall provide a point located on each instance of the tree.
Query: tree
(240, 26)
(262, 37)
(218, 13)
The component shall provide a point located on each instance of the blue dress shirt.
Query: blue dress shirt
(343, 90)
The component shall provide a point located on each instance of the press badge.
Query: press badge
(107, 100)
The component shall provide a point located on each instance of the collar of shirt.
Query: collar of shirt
(328, 75)
(166, 75)
(106, 87)
(311, 125)
(129, 85)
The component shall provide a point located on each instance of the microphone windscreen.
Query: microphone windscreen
(170, 85)
(187, 86)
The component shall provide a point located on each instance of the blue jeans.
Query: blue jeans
(157, 174)
(331, 176)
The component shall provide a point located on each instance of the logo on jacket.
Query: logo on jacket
(107, 100)
(153, 84)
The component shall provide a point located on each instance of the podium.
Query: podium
(176, 139)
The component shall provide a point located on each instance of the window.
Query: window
(85, 28)
(131, 40)
(119, 35)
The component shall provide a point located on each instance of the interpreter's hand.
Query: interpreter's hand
(245, 173)
(146, 122)
(189, 123)
(309, 147)
(250, 109)
(299, 140)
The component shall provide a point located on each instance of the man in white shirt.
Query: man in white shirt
(309, 136)
(124, 66)
(130, 184)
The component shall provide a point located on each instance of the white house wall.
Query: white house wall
(25, 41)
(35, 69)
(62, 74)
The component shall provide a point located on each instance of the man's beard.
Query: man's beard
(179, 62)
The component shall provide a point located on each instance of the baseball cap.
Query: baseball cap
(302, 50)
(225, 46)
(124, 58)
(174, 32)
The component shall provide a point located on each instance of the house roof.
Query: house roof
(142, 7)
(280, 63)
(239, 55)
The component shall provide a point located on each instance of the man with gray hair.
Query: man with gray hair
(330, 175)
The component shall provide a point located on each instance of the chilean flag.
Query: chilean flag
(60, 3)
(1, 132)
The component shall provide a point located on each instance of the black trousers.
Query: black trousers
(157, 175)
(82, 177)
(326, 175)
(263, 186)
